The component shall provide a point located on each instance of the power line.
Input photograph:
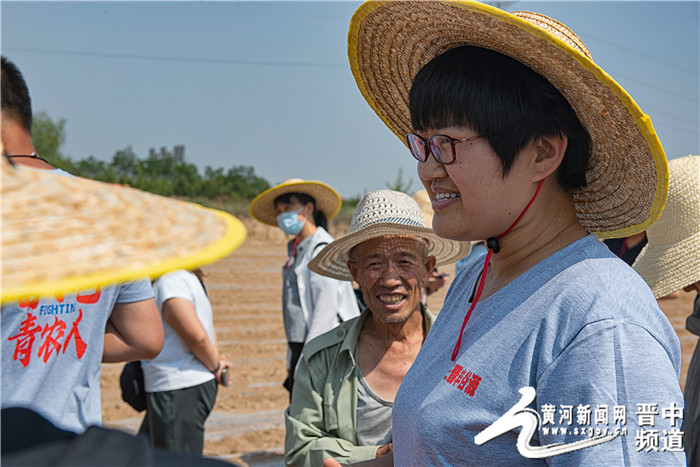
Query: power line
(685, 97)
(166, 58)
(653, 58)
(654, 111)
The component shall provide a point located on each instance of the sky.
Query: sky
(268, 85)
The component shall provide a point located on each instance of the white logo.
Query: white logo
(520, 416)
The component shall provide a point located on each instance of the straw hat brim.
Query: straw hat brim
(389, 42)
(327, 199)
(332, 260)
(62, 233)
(667, 268)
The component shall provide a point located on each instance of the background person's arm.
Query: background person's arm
(181, 315)
(326, 303)
(134, 332)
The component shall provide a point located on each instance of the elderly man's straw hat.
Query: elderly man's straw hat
(61, 233)
(379, 214)
(327, 199)
(671, 258)
(389, 42)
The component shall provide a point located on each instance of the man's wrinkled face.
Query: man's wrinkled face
(391, 271)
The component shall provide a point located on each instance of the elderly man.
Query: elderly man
(347, 378)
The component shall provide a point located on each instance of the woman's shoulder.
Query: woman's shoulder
(321, 235)
(179, 283)
(177, 276)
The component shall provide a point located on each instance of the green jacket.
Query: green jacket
(322, 417)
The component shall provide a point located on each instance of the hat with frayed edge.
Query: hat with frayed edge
(62, 233)
(671, 258)
(380, 214)
(627, 178)
(327, 199)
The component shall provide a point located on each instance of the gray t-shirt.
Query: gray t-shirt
(52, 351)
(582, 329)
(292, 314)
(373, 415)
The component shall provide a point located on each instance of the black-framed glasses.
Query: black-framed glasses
(442, 147)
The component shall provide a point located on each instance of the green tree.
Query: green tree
(95, 169)
(126, 166)
(399, 184)
(48, 136)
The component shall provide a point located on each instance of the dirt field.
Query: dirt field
(247, 425)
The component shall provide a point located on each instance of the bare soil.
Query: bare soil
(247, 426)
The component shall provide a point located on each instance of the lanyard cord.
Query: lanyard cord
(623, 249)
(32, 155)
(293, 253)
(493, 247)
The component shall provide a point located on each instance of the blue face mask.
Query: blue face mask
(289, 222)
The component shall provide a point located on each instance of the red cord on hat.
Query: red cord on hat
(493, 247)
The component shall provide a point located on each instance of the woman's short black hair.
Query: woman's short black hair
(288, 198)
(504, 101)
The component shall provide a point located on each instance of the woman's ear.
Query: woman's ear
(550, 151)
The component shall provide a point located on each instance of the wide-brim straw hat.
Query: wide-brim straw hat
(671, 258)
(327, 199)
(423, 199)
(389, 42)
(62, 233)
(379, 214)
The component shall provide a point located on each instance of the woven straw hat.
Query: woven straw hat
(61, 233)
(671, 258)
(423, 200)
(389, 42)
(327, 199)
(384, 213)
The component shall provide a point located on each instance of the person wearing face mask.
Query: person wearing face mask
(311, 304)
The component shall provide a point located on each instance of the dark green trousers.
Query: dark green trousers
(175, 419)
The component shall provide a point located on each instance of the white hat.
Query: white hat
(379, 214)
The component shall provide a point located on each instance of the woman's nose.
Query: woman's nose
(431, 169)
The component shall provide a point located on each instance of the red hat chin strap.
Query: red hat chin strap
(493, 247)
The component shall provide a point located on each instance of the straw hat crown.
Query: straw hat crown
(681, 216)
(423, 200)
(386, 206)
(555, 28)
(671, 259)
(385, 213)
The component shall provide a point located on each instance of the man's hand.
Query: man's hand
(384, 450)
(330, 462)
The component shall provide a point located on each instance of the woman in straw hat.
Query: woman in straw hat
(671, 262)
(311, 304)
(523, 141)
